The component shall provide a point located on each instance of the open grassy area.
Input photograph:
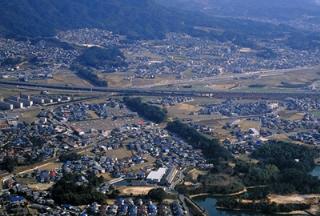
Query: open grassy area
(247, 124)
(149, 163)
(66, 77)
(293, 116)
(316, 114)
(10, 91)
(29, 115)
(119, 153)
(289, 81)
(294, 198)
(194, 173)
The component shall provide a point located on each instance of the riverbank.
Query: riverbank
(218, 195)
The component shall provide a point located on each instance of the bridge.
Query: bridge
(159, 92)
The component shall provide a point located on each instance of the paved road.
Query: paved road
(157, 92)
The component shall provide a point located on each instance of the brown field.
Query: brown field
(226, 86)
(149, 163)
(29, 115)
(182, 109)
(119, 153)
(41, 187)
(217, 125)
(103, 124)
(116, 79)
(135, 191)
(293, 116)
(12, 91)
(68, 78)
(52, 166)
(294, 198)
(106, 176)
(195, 173)
(247, 124)
(40, 166)
(280, 137)
(93, 115)
(292, 77)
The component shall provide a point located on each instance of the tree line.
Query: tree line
(89, 75)
(145, 110)
(210, 147)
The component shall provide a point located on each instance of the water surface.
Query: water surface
(209, 204)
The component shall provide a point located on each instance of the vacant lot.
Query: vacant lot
(68, 78)
(29, 115)
(119, 153)
(135, 191)
(294, 198)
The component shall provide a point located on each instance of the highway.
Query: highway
(159, 92)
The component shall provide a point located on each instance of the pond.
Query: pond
(316, 172)
(209, 204)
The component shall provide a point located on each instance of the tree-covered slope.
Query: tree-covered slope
(144, 19)
(271, 9)
(136, 18)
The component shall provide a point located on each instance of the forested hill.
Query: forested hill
(136, 18)
(270, 9)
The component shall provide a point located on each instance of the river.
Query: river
(209, 204)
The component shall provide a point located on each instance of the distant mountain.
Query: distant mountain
(273, 9)
(134, 18)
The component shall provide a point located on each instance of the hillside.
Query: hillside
(135, 18)
(273, 9)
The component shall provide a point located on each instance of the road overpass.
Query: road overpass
(159, 92)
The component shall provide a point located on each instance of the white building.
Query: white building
(156, 176)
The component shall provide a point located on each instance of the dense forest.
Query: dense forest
(145, 110)
(71, 156)
(265, 207)
(287, 155)
(283, 166)
(8, 164)
(67, 191)
(89, 75)
(107, 58)
(136, 19)
(211, 148)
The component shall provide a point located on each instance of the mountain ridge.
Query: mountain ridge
(136, 19)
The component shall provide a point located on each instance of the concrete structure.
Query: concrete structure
(16, 104)
(156, 176)
(37, 100)
(26, 103)
(172, 172)
(6, 106)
